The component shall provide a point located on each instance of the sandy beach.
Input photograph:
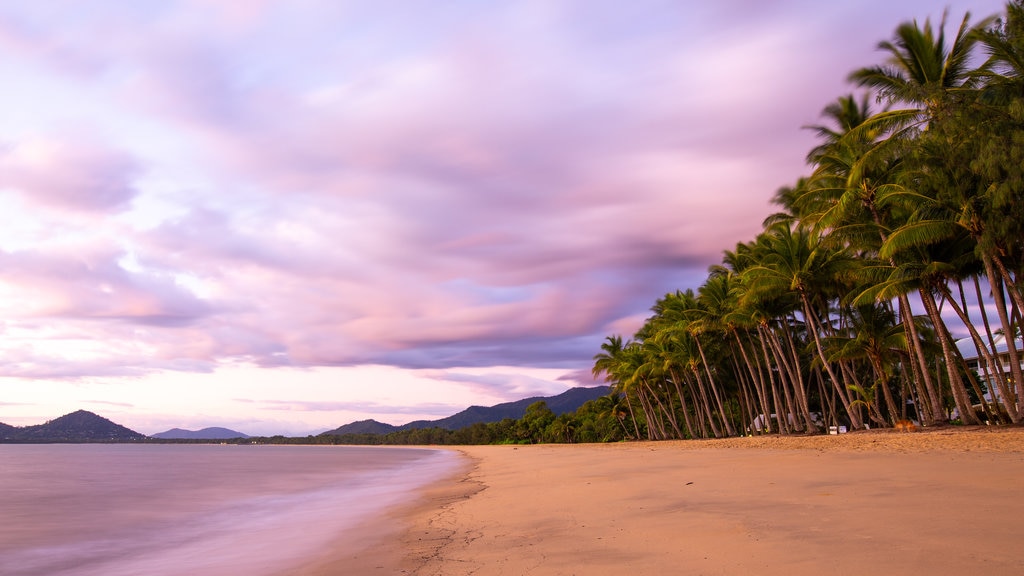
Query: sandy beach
(946, 501)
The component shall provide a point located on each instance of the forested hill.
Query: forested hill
(80, 426)
(568, 401)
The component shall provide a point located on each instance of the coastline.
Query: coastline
(380, 545)
(936, 501)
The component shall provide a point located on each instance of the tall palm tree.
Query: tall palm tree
(611, 362)
(927, 74)
(855, 199)
(873, 334)
(923, 69)
(794, 261)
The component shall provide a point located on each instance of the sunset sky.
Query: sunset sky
(283, 216)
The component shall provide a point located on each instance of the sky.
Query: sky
(284, 216)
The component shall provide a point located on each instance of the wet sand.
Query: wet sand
(945, 501)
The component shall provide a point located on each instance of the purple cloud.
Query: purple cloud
(68, 174)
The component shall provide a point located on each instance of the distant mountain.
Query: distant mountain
(212, 433)
(80, 426)
(364, 427)
(568, 401)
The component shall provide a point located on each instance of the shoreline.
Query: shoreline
(940, 500)
(379, 545)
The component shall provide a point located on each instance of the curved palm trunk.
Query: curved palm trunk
(797, 377)
(882, 380)
(956, 384)
(870, 402)
(1007, 278)
(668, 411)
(697, 406)
(991, 415)
(759, 386)
(705, 403)
(714, 389)
(648, 414)
(789, 366)
(934, 411)
(1011, 341)
(1012, 390)
(771, 376)
(747, 408)
(812, 326)
(632, 416)
(677, 381)
(770, 384)
(993, 367)
(744, 398)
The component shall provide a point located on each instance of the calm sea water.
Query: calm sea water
(196, 510)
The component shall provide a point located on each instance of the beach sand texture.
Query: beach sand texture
(945, 501)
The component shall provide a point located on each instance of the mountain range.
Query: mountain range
(213, 433)
(568, 401)
(80, 426)
(85, 426)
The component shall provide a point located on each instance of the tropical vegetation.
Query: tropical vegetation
(844, 309)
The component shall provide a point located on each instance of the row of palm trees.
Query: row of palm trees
(842, 311)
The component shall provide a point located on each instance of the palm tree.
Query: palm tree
(948, 198)
(795, 261)
(873, 334)
(923, 70)
(612, 363)
(855, 200)
(926, 74)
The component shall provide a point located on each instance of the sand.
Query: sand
(946, 501)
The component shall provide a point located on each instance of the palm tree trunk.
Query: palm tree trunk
(883, 381)
(697, 405)
(775, 396)
(632, 416)
(1011, 285)
(668, 411)
(997, 372)
(714, 389)
(991, 415)
(706, 403)
(855, 419)
(747, 399)
(934, 411)
(648, 414)
(1011, 340)
(797, 378)
(677, 381)
(956, 384)
(756, 377)
(789, 365)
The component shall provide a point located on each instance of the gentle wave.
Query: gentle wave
(168, 510)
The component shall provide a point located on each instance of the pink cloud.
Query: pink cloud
(69, 174)
(502, 185)
(88, 282)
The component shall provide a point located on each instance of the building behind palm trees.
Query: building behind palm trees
(977, 363)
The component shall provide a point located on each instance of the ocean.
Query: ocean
(196, 510)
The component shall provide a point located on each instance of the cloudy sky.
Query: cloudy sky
(283, 216)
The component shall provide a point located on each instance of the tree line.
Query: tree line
(843, 309)
(600, 420)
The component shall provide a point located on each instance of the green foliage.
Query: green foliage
(595, 421)
(903, 207)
